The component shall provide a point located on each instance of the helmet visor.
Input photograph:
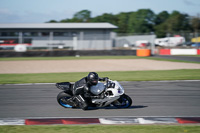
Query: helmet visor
(94, 82)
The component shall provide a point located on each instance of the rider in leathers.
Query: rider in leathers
(81, 89)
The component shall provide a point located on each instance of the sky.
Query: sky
(40, 11)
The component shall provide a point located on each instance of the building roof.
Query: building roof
(58, 26)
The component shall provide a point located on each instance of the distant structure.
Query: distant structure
(77, 36)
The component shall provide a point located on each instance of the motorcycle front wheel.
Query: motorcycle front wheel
(61, 99)
(123, 102)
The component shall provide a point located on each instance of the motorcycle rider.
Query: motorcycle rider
(81, 89)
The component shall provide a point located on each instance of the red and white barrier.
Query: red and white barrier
(179, 52)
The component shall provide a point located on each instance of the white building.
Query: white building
(78, 36)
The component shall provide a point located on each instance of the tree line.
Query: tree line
(142, 21)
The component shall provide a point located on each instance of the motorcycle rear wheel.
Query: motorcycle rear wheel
(123, 102)
(62, 97)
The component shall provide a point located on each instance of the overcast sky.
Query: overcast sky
(39, 11)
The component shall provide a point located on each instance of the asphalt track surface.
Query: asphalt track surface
(183, 58)
(162, 99)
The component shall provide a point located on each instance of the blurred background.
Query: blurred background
(100, 25)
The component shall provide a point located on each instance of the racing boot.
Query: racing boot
(81, 102)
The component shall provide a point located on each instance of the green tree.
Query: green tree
(175, 23)
(52, 21)
(160, 26)
(106, 17)
(141, 21)
(161, 17)
(122, 22)
(160, 30)
(195, 23)
(82, 16)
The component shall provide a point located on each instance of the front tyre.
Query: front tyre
(61, 99)
(123, 102)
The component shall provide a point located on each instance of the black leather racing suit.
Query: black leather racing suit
(82, 89)
(81, 86)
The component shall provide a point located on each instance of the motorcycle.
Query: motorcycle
(111, 93)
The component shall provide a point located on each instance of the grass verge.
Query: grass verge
(90, 58)
(156, 75)
(67, 58)
(102, 129)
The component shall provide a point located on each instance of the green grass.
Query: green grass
(89, 58)
(102, 129)
(66, 58)
(187, 74)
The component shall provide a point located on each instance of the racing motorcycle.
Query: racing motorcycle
(111, 93)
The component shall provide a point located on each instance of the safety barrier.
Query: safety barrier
(179, 52)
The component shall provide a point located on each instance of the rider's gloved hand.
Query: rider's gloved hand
(105, 78)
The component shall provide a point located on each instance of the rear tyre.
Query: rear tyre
(61, 99)
(123, 102)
